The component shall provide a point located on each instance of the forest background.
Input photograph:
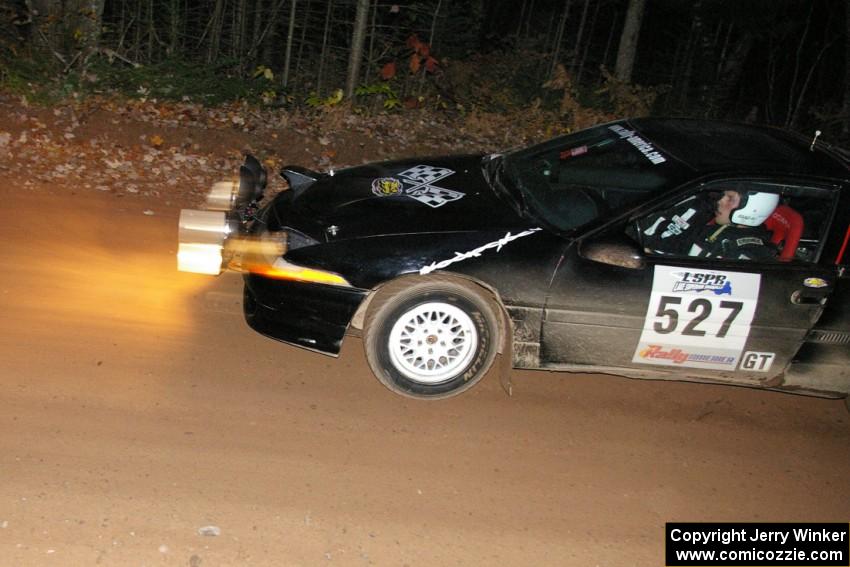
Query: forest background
(534, 68)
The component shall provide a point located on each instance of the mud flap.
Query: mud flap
(506, 358)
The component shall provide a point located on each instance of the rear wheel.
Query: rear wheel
(430, 338)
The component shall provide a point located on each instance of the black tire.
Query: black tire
(430, 338)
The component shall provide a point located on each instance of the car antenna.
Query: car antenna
(815, 139)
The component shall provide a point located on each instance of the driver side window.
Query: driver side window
(740, 220)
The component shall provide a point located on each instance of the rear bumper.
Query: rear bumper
(307, 315)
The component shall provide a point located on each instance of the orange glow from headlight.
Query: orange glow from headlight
(285, 271)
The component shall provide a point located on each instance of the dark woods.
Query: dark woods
(781, 62)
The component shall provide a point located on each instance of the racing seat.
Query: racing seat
(786, 224)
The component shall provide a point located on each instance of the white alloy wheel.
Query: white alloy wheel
(431, 338)
(432, 342)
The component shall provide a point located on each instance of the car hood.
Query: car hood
(422, 195)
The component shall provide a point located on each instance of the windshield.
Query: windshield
(574, 180)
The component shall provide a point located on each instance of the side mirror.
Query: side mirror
(624, 254)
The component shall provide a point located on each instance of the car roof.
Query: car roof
(710, 146)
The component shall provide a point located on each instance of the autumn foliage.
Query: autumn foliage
(418, 55)
(421, 55)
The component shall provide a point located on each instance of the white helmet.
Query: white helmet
(754, 209)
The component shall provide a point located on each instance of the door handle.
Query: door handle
(808, 297)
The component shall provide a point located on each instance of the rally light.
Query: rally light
(201, 239)
(199, 258)
(222, 196)
(283, 270)
(238, 194)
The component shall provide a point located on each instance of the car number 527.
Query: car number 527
(693, 315)
(698, 318)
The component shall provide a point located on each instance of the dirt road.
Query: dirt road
(137, 409)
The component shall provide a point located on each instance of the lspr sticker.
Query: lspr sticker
(698, 318)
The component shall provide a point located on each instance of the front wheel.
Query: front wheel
(430, 338)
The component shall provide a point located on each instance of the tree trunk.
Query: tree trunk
(324, 52)
(240, 41)
(845, 125)
(264, 39)
(373, 32)
(579, 37)
(173, 27)
(151, 33)
(215, 31)
(730, 71)
(724, 52)
(629, 40)
(289, 35)
(586, 46)
(47, 35)
(137, 29)
(675, 71)
(793, 100)
(123, 27)
(92, 17)
(430, 43)
(551, 23)
(798, 104)
(434, 24)
(771, 81)
(304, 27)
(520, 21)
(706, 60)
(67, 27)
(610, 38)
(256, 28)
(690, 49)
(528, 17)
(559, 36)
(357, 39)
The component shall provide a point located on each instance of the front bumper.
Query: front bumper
(308, 315)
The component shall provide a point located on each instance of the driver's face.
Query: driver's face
(727, 203)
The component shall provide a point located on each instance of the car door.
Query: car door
(737, 321)
(823, 362)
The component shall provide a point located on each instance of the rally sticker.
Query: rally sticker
(418, 183)
(815, 283)
(698, 318)
(643, 146)
(386, 186)
(757, 361)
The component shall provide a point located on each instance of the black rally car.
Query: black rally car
(538, 254)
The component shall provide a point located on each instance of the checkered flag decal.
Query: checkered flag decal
(435, 196)
(425, 173)
(418, 186)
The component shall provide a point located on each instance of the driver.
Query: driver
(719, 225)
